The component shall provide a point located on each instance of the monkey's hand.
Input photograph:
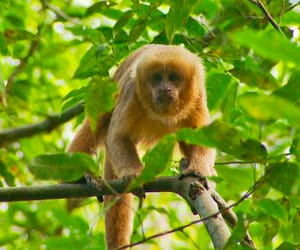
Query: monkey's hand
(139, 192)
(184, 168)
(184, 163)
(94, 182)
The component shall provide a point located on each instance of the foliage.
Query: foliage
(56, 54)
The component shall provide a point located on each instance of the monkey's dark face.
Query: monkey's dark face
(161, 86)
(164, 86)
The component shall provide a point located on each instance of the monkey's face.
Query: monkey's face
(164, 88)
(168, 82)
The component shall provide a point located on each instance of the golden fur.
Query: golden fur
(161, 90)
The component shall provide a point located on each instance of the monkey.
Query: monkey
(161, 90)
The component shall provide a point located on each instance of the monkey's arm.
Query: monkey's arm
(122, 134)
(87, 140)
(123, 155)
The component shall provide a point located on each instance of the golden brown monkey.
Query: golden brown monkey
(161, 90)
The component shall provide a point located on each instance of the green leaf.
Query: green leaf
(2, 84)
(284, 177)
(3, 47)
(288, 246)
(226, 138)
(237, 178)
(156, 160)
(208, 8)
(229, 101)
(63, 167)
(270, 107)
(290, 17)
(74, 97)
(99, 7)
(123, 20)
(290, 91)
(94, 35)
(271, 45)
(96, 61)
(217, 85)
(194, 28)
(177, 17)
(99, 99)
(273, 208)
(255, 73)
(295, 148)
(237, 235)
(137, 29)
(6, 174)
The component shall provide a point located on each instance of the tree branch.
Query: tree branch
(260, 5)
(74, 190)
(59, 13)
(292, 7)
(189, 188)
(53, 121)
(33, 47)
(203, 203)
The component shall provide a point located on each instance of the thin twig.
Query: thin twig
(181, 228)
(164, 233)
(260, 5)
(292, 7)
(190, 239)
(233, 162)
(53, 121)
(33, 47)
(60, 13)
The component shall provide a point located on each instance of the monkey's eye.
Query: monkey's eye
(157, 78)
(173, 77)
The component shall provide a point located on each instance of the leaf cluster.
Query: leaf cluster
(56, 54)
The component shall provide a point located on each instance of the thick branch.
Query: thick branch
(14, 134)
(72, 190)
(203, 203)
(198, 197)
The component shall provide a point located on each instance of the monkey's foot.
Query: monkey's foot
(139, 192)
(184, 168)
(200, 178)
(94, 182)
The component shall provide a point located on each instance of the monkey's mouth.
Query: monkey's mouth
(164, 100)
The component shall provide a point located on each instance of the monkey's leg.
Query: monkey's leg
(200, 159)
(118, 216)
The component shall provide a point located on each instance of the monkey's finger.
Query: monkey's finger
(184, 164)
(200, 178)
(139, 192)
(94, 182)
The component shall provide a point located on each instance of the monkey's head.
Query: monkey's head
(169, 82)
